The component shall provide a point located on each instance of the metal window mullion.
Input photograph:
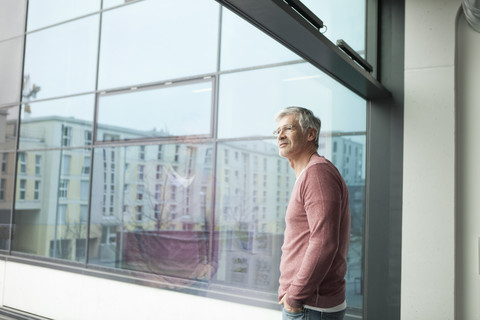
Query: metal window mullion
(94, 138)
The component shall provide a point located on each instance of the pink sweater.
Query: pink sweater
(317, 235)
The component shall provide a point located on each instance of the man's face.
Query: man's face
(291, 140)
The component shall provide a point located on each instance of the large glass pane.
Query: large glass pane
(249, 112)
(172, 110)
(50, 206)
(243, 45)
(57, 123)
(253, 190)
(151, 209)
(12, 18)
(11, 59)
(163, 40)
(62, 60)
(42, 13)
(345, 19)
(249, 100)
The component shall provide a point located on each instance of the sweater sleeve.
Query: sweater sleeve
(321, 194)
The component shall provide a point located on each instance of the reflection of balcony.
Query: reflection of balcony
(28, 206)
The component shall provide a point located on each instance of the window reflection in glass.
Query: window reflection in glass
(62, 60)
(345, 19)
(55, 123)
(11, 55)
(243, 45)
(47, 12)
(175, 110)
(151, 214)
(49, 205)
(160, 41)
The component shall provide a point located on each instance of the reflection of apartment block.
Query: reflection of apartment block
(347, 155)
(7, 165)
(52, 202)
(253, 187)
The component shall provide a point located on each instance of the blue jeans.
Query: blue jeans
(308, 314)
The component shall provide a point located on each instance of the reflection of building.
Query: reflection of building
(141, 194)
(254, 186)
(7, 174)
(253, 190)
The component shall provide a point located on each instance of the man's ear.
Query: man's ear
(311, 133)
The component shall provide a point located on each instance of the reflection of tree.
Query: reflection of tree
(29, 91)
(75, 229)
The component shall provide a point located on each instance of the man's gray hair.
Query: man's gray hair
(305, 118)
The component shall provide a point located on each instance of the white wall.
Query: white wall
(428, 238)
(68, 296)
(467, 75)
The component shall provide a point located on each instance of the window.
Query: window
(208, 156)
(140, 173)
(69, 113)
(86, 165)
(63, 189)
(83, 213)
(66, 164)
(177, 153)
(3, 183)
(139, 216)
(23, 189)
(226, 156)
(36, 190)
(191, 101)
(109, 235)
(160, 152)
(159, 171)
(4, 162)
(140, 191)
(38, 164)
(192, 51)
(59, 63)
(66, 136)
(88, 137)
(84, 189)
(158, 211)
(22, 159)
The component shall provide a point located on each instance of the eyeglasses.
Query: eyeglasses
(286, 129)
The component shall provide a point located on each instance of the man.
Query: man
(317, 233)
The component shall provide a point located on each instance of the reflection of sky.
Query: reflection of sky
(181, 110)
(156, 40)
(250, 100)
(138, 45)
(47, 12)
(80, 107)
(62, 60)
(243, 45)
